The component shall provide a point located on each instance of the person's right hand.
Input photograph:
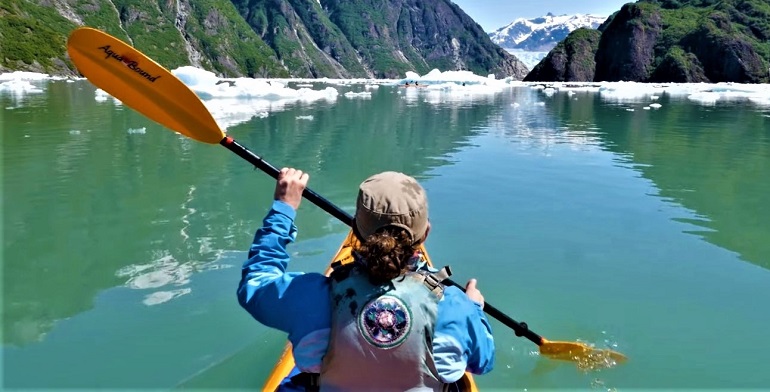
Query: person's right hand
(473, 293)
(290, 185)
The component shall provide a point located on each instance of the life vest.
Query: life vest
(381, 336)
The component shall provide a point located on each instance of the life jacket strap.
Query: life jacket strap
(433, 280)
(341, 271)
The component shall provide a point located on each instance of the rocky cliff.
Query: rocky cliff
(395, 36)
(674, 41)
(571, 59)
(261, 38)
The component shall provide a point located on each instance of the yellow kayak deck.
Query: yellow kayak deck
(285, 364)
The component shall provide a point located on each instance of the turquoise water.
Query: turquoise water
(644, 231)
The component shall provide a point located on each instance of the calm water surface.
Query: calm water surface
(646, 231)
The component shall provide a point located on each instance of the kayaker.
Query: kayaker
(381, 322)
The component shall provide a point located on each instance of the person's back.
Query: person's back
(384, 341)
(391, 325)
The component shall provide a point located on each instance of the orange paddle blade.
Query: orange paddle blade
(586, 357)
(142, 84)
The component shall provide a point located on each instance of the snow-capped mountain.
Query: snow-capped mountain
(542, 34)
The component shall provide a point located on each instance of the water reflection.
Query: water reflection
(124, 202)
(165, 272)
(344, 143)
(453, 95)
(165, 269)
(231, 112)
(132, 240)
(529, 121)
(710, 159)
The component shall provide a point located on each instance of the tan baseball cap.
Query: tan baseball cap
(391, 199)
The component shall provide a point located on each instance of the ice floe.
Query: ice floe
(633, 92)
(235, 100)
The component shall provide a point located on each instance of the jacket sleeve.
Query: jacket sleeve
(463, 337)
(294, 302)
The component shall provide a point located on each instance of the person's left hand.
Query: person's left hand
(290, 185)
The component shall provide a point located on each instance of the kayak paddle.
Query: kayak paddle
(147, 87)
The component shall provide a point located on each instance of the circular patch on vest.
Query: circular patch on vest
(385, 321)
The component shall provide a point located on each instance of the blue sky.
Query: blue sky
(493, 14)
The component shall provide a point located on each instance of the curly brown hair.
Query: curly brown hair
(387, 253)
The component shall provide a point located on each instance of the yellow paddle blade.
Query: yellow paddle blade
(586, 357)
(140, 83)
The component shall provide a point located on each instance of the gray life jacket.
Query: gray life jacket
(382, 336)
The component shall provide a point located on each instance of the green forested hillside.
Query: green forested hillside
(32, 37)
(206, 33)
(680, 41)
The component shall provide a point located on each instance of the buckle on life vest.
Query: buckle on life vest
(433, 280)
(341, 271)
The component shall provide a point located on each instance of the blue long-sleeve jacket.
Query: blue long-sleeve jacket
(300, 305)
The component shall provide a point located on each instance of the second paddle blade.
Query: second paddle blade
(586, 357)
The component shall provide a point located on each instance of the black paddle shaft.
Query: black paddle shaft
(271, 170)
(520, 329)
